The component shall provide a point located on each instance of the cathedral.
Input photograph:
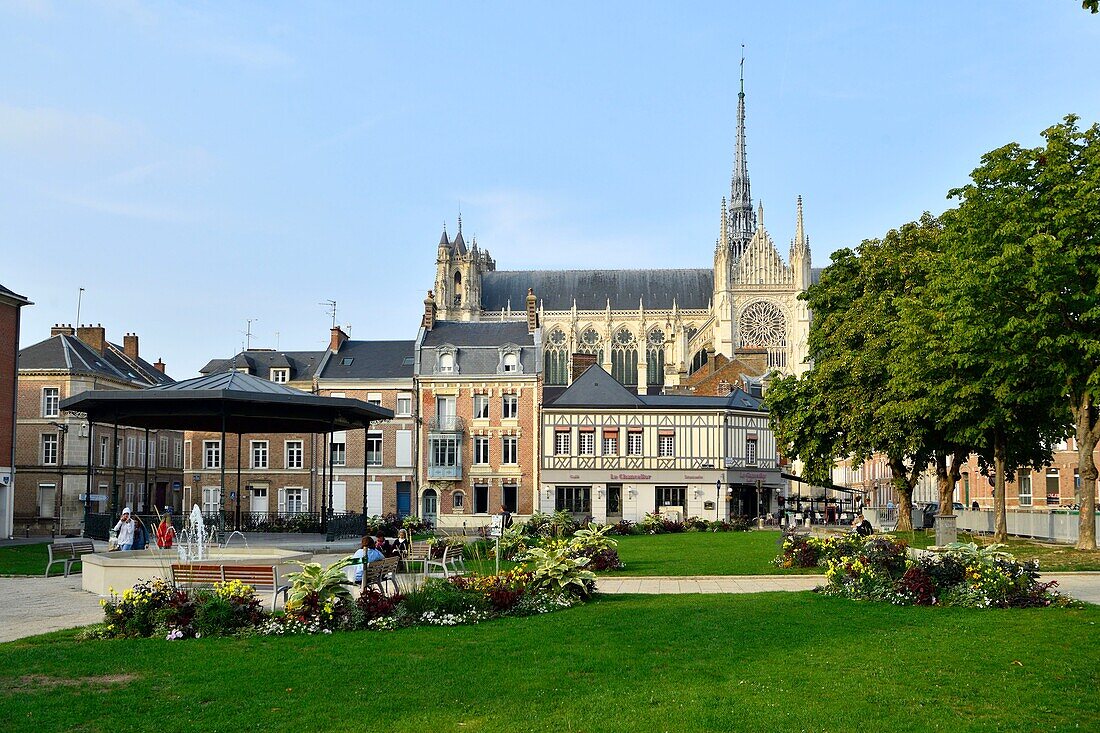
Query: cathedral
(652, 329)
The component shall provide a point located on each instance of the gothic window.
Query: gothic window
(458, 288)
(624, 358)
(655, 358)
(556, 356)
(591, 343)
(698, 361)
(762, 325)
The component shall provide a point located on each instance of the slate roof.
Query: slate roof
(557, 289)
(302, 364)
(596, 388)
(12, 295)
(68, 353)
(480, 333)
(371, 360)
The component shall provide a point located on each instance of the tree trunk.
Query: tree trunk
(948, 471)
(1087, 434)
(904, 486)
(1000, 517)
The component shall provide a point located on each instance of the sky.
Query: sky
(197, 165)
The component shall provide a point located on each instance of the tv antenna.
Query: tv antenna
(330, 306)
(248, 332)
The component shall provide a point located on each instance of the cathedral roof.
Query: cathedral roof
(557, 289)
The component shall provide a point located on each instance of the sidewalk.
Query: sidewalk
(709, 583)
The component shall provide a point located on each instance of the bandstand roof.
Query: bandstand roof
(233, 401)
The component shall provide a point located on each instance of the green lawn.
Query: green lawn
(783, 661)
(29, 560)
(703, 553)
(1052, 558)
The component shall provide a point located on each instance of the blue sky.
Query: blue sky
(196, 165)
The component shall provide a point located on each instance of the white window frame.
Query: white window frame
(610, 445)
(104, 450)
(446, 363)
(211, 454)
(290, 447)
(51, 402)
(375, 436)
(509, 450)
(339, 456)
(259, 454)
(374, 398)
(562, 442)
(131, 451)
(1023, 480)
(280, 375)
(666, 446)
(49, 447)
(634, 443)
(187, 459)
(509, 407)
(211, 499)
(586, 443)
(458, 500)
(481, 407)
(481, 450)
(293, 500)
(177, 452)
(404, 404)
(751, 446)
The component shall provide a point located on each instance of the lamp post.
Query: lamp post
(717, 498)
(760, 503)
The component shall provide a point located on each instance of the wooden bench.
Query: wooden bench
(260, 577)
(376, 574)
(67, 553)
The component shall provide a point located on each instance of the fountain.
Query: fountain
(192, 541)
(195, 543)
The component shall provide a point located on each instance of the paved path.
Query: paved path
(709, 583)
(30, 606)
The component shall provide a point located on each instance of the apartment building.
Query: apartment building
(129, 467)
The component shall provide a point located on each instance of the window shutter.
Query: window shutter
(404, 448)
(305, 501)
(282, 501)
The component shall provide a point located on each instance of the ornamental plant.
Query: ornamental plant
(315, 587)
(555, 570)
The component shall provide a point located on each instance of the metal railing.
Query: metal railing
(447, 424)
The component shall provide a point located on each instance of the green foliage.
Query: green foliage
(556, 570)
(593, 539)
(320, 584)
(513, 543)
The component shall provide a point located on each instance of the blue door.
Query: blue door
(404, 498)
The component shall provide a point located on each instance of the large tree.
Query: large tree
(1030, 220)
(849, 405)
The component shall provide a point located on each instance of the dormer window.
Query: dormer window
(509, 360)
(280, 376)
(447, 360)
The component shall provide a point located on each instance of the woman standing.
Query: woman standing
(125, 529)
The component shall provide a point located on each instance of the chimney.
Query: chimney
(94, 336)
(581, 362)
(159, 366)
(429, 312)
(130, 346)
(62, 329)
(532, 314)
(337, 339)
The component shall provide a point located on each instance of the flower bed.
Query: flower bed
(878, 568)
(320, 600)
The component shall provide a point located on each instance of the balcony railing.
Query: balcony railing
(444, 473)
(447, 424)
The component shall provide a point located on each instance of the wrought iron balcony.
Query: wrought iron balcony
(444, 473)
(447, 424)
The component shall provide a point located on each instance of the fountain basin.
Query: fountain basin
(121, 570)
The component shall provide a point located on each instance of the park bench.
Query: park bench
(451, 561)
(260, 577)
(67, 552)
(376, 574)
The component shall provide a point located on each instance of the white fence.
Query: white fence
(1059, 526)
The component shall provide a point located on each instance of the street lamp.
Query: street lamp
(717, 498)
(63, 430)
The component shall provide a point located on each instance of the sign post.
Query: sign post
(495, 530)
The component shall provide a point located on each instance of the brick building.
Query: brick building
(288, 474)
(1055, 485)
(52, 445)
(10, 305)
(479, 389)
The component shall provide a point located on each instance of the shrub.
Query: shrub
(537, 526)
(372, 604)
(137, 611)
(606, 559)
(917, 586)
(441, 597)
(555, 570)
(623, 527)
(651, 523)
(594, 539)
(513, 543)
(562, 524)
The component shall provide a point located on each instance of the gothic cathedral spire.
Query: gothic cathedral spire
(742, 220)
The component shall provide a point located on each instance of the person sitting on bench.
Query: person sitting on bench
(367, 552)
